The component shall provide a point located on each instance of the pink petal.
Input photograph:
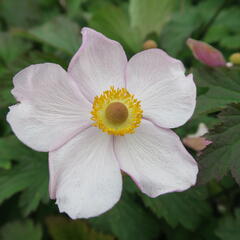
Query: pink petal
(98, 64)
(85, 177)
(156, 159)
(206, 54)
(52, 109)
(158, 80)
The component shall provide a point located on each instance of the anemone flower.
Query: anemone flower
(105, 115)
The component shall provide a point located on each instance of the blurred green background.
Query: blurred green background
(37, 31)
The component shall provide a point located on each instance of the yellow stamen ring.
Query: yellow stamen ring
(116, 112)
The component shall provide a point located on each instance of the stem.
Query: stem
(211, 20)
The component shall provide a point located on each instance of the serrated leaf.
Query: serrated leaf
(60, 33)
(185, 208)
(113, 22)
(128, 220)
(61, 228)
(222, 88)
(21, 231)
(229, 227)
(223, 154)
(29, 174)
(204, 232)
(150, 15)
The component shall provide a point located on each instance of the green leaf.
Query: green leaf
(129, 185)
(128, 220)
(191, 127)
(6, 98)
(61, 228)
(184, 23)
(225, 29)
(204, 232)
(73, 7)
(12, 47)
(20, 13)
(150, 15)
(179, 29)
(60, 33)
(37, 190)
(222, 85)
(231, 42)
(21, 231)
(185, 208)
(11, 149)
(229, 227)
(113, 22)
(29, 174)
(223, 154)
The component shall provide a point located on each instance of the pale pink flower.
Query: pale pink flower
(58, 109)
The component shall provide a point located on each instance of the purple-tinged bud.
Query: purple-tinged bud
(206, 54)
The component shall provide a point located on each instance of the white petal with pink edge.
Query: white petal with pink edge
(158, 80)
(51, 110)
(98, 64)
(156, 160)
(85, 176)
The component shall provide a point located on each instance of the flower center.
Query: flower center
(116, 112)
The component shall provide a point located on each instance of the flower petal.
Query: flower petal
(156, 160)
(167, 95)
(202, 130)
(98, 64)
(52, 109)
(85, 177)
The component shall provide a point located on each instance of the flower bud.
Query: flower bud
(206, 54)
(149, 44)
(235, 58)
(196, 143)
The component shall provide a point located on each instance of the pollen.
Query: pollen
(116, 112)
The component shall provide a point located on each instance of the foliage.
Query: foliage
(36, 31)
(185, 208)
(229, 227)
(221, 87)
(130, 213)
(21, 231)
(29, 176)
(61, 228)
(226, 148)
